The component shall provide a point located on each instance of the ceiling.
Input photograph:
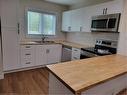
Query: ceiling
(73, 2)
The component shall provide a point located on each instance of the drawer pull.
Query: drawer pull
(28, 63)
(28, 47)
(27, 54)
(75, 58)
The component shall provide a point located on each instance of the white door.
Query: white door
(76, 20)
(53, 53)
(41, 58)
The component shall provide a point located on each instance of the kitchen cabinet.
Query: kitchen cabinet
(54, 53)
(27, 56)
(111, 7)
(66, 21)
(10, 35)
(9, 11)
(41, 57)
(79, 20)
(76, 54)
(10, 49)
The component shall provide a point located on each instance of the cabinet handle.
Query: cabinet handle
(103, 11)
(75, 50)
(28, 63)
(47, 51)
(18, 28)
(69, 28)
(27, 54)
(75, 58)
(27, 46)
(80, 29)
(106, 10)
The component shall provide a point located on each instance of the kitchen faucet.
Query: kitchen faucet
(43, 38)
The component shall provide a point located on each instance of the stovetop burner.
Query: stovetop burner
(101, 48)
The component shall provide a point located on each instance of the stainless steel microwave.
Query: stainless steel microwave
(106, 23)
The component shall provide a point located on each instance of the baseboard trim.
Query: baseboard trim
(22, 69)
(2, 76)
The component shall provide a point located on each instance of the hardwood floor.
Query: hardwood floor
(124, 92)
(32, 82)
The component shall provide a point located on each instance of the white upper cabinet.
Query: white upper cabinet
(9, 9)
(112, 7)
(66, 21)
(79, 20)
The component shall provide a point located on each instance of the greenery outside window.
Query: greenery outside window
(41, 23)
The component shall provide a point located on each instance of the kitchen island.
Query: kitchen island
(105, 75)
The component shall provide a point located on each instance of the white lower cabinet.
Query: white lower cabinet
(111, 87)
(41, 58)
(27, 56)
(54, 53)
(40, 55)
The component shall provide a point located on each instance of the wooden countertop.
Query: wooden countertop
(71, 44)
(83, 74)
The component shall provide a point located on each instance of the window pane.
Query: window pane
(34, 23)
(49, 24)
(41, 23)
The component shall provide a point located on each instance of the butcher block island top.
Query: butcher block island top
(81, 75)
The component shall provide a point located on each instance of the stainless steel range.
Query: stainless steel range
(102, 47)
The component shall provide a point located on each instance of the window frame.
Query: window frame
(43, 12)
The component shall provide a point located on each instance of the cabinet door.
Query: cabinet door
(66, 21)
(9, 9)
(53, 53)
(76, 20)
(115, 6)
(11, 49)
(41, 58)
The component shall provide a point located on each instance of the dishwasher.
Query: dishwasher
(66, 53)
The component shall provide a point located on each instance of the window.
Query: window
(40, 23)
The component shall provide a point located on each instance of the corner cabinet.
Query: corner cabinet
(10, 35)
(79, 20)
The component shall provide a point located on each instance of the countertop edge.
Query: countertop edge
(72, 90)
(85, 88)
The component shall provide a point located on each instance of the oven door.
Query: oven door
(86, 54)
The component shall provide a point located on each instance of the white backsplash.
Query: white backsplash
(90, 38)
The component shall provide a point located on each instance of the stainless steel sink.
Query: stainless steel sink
(45, 42)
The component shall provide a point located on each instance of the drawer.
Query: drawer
(27, 47)
(75, 58)
(27, 63)
(76, 51)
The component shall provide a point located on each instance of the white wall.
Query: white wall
(88, 3)
(123, 35)
(40, 5)
(1, 74)
(90, 38)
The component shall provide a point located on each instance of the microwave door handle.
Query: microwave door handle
(107, 23)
